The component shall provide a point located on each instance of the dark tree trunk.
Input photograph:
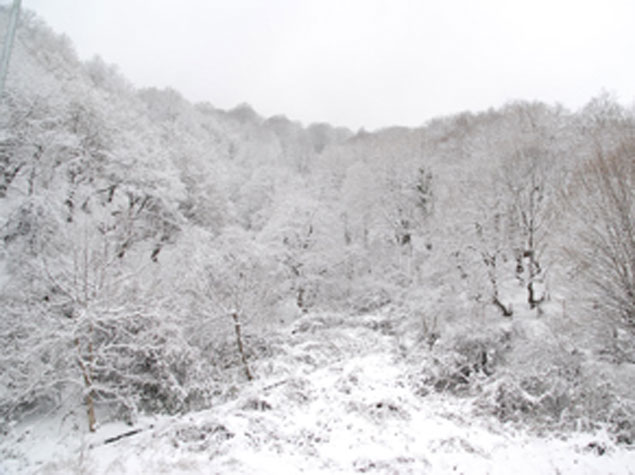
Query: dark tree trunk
(507, 311)
(241, 348)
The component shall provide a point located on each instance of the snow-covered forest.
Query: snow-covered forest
(241, 294)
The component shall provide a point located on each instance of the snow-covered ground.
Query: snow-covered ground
(334, 397)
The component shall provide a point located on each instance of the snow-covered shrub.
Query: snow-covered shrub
(605, 395)
(153, 369)
(136, 362)
(546, 382)
(533, 399)
(369, 295)
(221, 353)
(207, 436)
(536, 379)
(458, 351)
(467, 361)
(552, 401)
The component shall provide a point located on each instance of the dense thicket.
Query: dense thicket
(140, 232)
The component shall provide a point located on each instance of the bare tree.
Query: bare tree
(234, 287)
(601, 199)
(531, 181)
(485, 236)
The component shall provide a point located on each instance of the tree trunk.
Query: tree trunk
(90, 411)
(531, 297)
(241, 348)
(490, 262)
(534, 271)
(534, 266)
(507, 311)
(300, 300)
(89, 399)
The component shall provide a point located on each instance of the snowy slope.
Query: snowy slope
(334, 397)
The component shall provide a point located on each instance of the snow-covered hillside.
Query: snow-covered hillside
(250, 295)
(336, 395)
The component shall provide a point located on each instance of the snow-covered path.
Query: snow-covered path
(335, 397)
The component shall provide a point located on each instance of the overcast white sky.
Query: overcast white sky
(370, 63)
